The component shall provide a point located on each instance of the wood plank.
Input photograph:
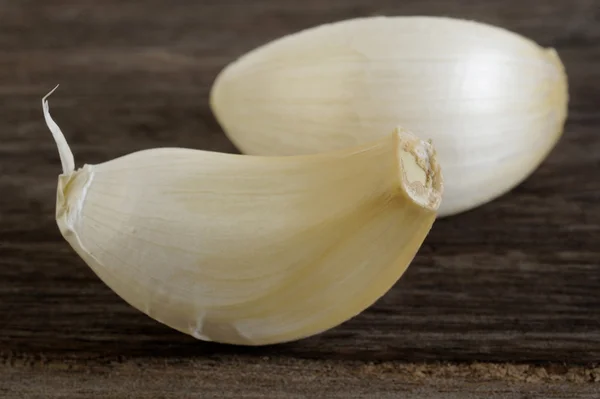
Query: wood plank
(516, 280)
(235, 377)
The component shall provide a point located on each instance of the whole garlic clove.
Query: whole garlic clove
(493, 102)
(245, 249)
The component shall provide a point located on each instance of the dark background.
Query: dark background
(517, 280)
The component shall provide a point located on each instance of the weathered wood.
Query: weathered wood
(235, 377)
(516, 280)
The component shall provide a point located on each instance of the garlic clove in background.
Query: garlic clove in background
(245, 249)
(493, 102)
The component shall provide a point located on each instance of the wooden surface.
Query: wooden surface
(515, 281)
(276, 377)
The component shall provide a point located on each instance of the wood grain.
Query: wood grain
(235, 377)
(517, 280)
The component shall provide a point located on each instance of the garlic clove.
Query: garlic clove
(245, 249)
(493, 102)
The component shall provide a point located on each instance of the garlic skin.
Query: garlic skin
(251, 250)
(493, 102)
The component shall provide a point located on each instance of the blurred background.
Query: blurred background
(517, 280)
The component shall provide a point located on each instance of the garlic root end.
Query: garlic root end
(421, 178)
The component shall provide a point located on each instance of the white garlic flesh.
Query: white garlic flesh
(251, 250)
(493, 102)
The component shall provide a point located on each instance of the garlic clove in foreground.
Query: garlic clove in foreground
(493, 102)
(245, 249)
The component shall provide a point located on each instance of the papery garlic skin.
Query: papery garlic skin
(251, 250)
(493, 102)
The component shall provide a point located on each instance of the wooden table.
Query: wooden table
(501, 302)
